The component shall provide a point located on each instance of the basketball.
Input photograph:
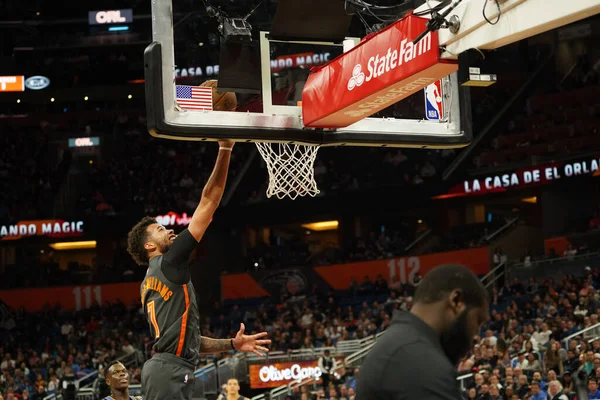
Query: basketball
(222, 101)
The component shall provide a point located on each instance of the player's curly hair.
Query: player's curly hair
(138, 235)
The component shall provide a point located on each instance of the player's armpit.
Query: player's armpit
(210, 345)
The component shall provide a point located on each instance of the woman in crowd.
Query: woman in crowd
(553, 361)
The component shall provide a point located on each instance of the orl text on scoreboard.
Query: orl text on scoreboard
(109, 17)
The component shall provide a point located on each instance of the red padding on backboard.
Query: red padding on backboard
(380, 71)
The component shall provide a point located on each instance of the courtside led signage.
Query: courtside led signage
(45, 227)
(15, 83)
(274, 375)
(109, 17)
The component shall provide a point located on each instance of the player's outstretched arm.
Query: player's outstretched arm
(212, 192)
(245, 343)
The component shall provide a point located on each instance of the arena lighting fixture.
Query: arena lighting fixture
(531, 200)
(129, 97)
(118, 28)
(18, 101)
(86, 98)
(322, 226)
(52, 99)
(82, 245)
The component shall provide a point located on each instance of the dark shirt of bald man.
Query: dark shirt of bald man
(417, 356)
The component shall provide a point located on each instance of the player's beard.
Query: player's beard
(456, 340)
(165, 246)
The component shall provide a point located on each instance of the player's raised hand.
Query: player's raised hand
(251, 343)
(226, 143)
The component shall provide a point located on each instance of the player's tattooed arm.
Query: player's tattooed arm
(210, 345)
(245, 343)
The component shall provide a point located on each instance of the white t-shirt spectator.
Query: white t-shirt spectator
(128, 348)
(307, 319)
(6, 363)
(66, 329)
(52, 385)
(542, 337)
(492, 339)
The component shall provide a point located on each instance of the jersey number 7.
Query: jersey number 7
(152, 314)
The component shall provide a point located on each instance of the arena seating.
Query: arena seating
(529, 311)
(558, 119)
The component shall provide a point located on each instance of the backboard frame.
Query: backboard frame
(166, 120)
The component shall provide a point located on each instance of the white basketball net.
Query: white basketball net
(291, 169)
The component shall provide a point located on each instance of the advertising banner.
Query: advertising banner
(71, 297)
(265, 376)
(383, 69)
(525, 178)
(42, 227)
(14, 83)
(338, 277)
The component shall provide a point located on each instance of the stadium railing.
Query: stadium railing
(298, 355)
(235, 367)
(590, 333)
(361, 348)
(501, 229)
(495, 274)
(548, 267)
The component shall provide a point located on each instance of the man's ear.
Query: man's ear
(456, 302)
(149, 246)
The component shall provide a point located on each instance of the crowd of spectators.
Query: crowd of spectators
(527, 350)
(56, 351)
(521, 351)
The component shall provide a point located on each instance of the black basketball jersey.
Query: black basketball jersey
(172, 313)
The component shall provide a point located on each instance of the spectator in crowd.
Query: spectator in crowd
(328, 367)
(594, 393)
(553, 360)
(555, 391)
(69, 385)
(536, 392)
(233, 390)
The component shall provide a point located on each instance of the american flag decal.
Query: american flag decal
(194, 98)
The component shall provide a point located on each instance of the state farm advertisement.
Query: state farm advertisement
(382, 70)
(525, 177)
(264, 376)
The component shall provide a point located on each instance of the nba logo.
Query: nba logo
(434, 105)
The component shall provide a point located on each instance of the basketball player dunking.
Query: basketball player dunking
(169, 300)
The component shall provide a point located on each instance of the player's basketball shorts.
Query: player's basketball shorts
(166, 376)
